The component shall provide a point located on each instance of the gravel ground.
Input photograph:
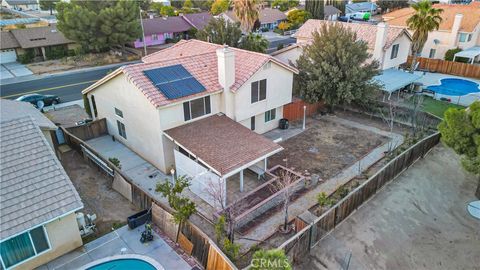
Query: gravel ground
(419, 221)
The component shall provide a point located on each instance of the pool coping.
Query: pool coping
(147, 259)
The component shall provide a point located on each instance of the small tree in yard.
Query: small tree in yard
(183, 207)
(335, 68)
(221, 32)
(115, 161)
(460, 130)
(284, 185)
(273, 259)
(254, 42)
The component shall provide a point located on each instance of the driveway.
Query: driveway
(419, 221)
(14, 69)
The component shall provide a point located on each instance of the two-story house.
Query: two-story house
(388, 45)
(196, 100)
(269, 18)
(460, 28)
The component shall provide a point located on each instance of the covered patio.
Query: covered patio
(472, 54)
(221, 156)
(394, 80)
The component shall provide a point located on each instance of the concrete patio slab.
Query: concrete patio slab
(112, 244)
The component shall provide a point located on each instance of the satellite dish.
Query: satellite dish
(40, 104)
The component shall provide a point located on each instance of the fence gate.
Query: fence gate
(97, 160)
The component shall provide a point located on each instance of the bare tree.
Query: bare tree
(416, 105)
(218, 193)
(284, 185)
(389, 118)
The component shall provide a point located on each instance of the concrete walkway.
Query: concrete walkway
(112, 244)
(306, 201)
(419, 221)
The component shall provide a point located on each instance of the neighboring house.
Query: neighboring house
(197, 105)
(37, 199)
(163, 2)
(388, 45)
(361, 7)
(21, 4)
(460, 28)
(8, 45)
(37, 39)
(11, 109)
(269, 17)
(159, 30)
(331, 13)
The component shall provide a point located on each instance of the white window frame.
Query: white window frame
(258, 90)
(117, 110)
(124, 135)
(190, 118)
(395, 49)
(268, 115)
(33, 245)
(430, 55)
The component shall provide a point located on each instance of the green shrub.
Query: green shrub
(280, 46)
(342, 191)
(27, 57)
(220, 228)
(115, 161)
(323, 200)
(232, 250)
(451, 53)
(56, 52)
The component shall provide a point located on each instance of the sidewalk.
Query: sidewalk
(62, 73)
(308, 200)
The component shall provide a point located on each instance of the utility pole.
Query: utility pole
(143, 32)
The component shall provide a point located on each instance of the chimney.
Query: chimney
(457, 22)
(380, 40)
(226, 78)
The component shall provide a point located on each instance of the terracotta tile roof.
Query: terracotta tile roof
(266, 15)
(8, 41)
(39, 37)
(365, 32)
(200, 59)
(222, 143)
(471, 16)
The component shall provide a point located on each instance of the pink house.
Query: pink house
(158, 30)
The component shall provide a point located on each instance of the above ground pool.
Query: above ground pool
(123, 264)
(455, 87)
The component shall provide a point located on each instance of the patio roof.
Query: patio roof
(222, 144)
(469, 53)
(394, 79)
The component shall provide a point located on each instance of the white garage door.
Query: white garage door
(8, 56)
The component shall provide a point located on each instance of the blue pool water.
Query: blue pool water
(454, 87)
(123, 264)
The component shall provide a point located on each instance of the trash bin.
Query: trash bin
(138, 219)
(283, 123)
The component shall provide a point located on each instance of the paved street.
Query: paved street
(67, 86)
(419, 221)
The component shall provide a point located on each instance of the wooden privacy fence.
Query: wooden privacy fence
(300, 244)
(294, 111)
(91, 130)
(192, 239)
(447, 67)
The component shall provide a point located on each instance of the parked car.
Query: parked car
(39, 100)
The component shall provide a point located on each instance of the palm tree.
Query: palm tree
(246, 12)
(425, 19)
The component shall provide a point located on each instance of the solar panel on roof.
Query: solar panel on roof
(174, 81)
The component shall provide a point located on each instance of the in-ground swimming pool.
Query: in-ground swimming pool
(123, 264)
(455, 87)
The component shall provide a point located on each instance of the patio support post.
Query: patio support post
(304, 116)
(241, 181)
(266, 162)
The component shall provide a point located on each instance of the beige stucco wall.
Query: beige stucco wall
(402, 56)
(140, 118)
(64, 237)
(448, 40)
(260, 125)
(279, 92)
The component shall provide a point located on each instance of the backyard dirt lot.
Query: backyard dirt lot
(98, 197)
(419, 221)
(326, 147)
